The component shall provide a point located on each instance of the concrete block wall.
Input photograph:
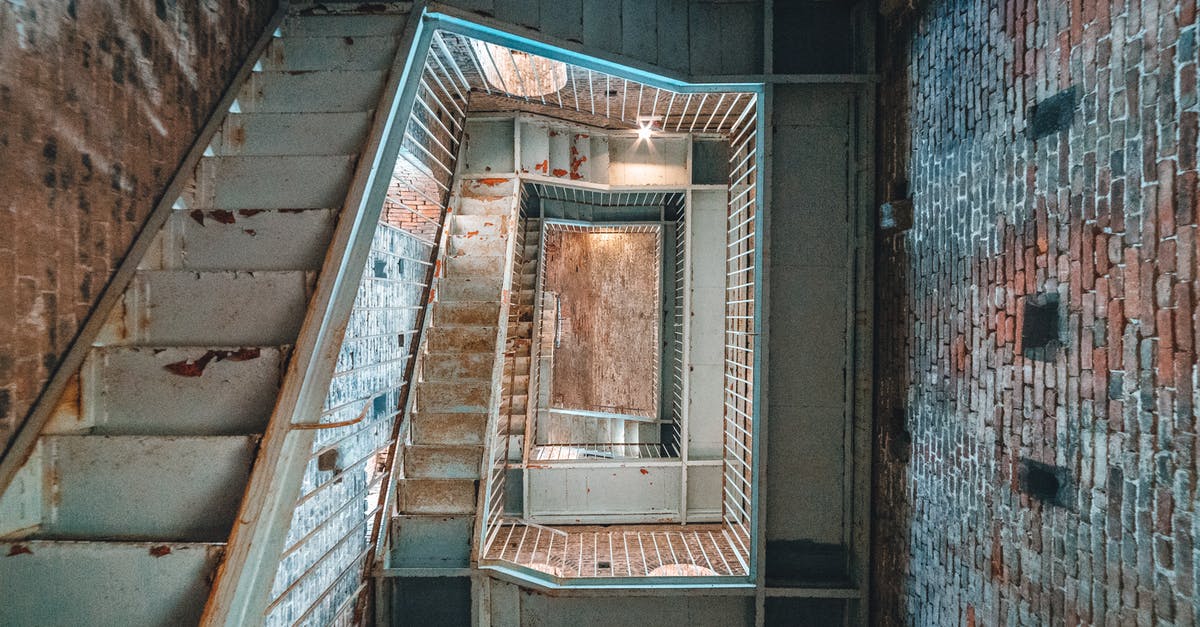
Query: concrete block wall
(99, 101)
(1018, 198)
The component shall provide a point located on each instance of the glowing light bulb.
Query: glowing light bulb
(645, 131)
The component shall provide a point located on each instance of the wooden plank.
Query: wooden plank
(608, 288)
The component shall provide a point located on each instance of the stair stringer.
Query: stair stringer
(243, 583)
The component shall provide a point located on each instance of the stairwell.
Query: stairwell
(457, 393)
(143, 483)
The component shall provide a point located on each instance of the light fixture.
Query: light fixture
(519, 73)
(647, 124)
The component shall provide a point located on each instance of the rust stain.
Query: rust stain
(559, 172)
(490, 182)
(349, 40)
(222, 216)
(198, 216)
(160, 550)
(195, 368)
(543, 167)
(644, 471)
(250, 232)
(237, 135)
(19, 549)
(472, 233)
(250, 212)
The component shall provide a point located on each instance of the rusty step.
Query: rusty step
(468, 428)
(440, 461)
(465, 312)
(437, 496)
(455, 397)
(461, 339)
(454, 366)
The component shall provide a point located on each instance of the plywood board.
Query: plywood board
(607, 356)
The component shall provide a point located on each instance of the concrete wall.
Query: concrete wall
(704, 37)
(1013, 202)
(99, 101)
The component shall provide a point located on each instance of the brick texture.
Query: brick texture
(99, 101)
(1103, 214)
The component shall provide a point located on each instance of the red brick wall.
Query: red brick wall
(99, 101)
(1103, 214)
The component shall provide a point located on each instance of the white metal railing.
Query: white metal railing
(741, 278)
(336, 531)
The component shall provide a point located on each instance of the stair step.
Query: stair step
(437, 496)
(257, 134)
(105, 583)
(342, 25)
(311, 92)
(455, 397)
(465, 312)
(461, 339)
(483, 289)
(424, 541)
(475, 265)
(253, 239)
(181, 391)
(520, 330)
(458, 366)
(477, 245)
(492, 226)
(145, 487)
(343, 52)
(434, 461)
(287, 182)
(449, 428)
(217, 308)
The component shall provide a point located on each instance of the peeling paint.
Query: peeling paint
(160, 550)
(195, 368)
(19, 549)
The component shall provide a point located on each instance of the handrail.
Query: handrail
(244, 578)
(22, 444)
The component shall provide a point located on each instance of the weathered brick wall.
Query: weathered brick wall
(99, 101)
(1103, 214)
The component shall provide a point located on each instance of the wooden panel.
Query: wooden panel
(608, 287)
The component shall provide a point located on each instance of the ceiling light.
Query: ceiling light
(647, 124)
(519, 73)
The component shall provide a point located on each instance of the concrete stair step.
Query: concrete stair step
(431, 541)
(474, 265)
(340, 52)
(458, 366)
(477, 245)
(277, 134)
(437, 496)
(454, 397)
(184, 488)
(252, 239)
(311, 92)
(181, 390)
(272, 182)
(460, 339)
(520, 330)
(177, 307)
(478, 225)
(440, 461)
(449, 428)
(482, 289)
(465, 313)
(49, 582)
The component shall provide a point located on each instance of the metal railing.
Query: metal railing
(741, 276)
(336, 530)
